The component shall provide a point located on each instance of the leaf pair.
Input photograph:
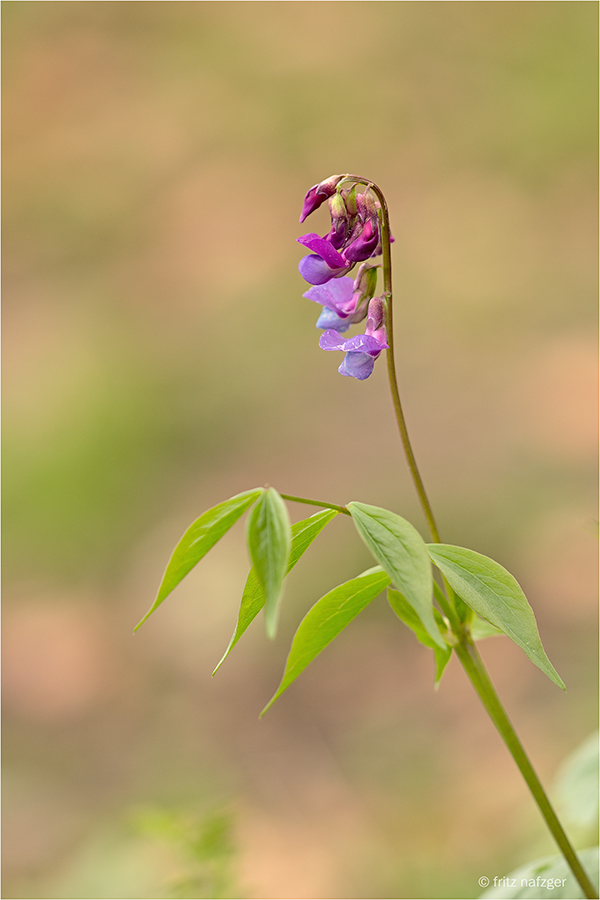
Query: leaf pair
(495, 595)
(482, 584)
(269, 542)
(401, 552)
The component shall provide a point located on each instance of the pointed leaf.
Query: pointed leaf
(253, 598)
(269, 542)
(400, 550)
(198, 540)
(324, 621)
(494, 594)
(406, 614)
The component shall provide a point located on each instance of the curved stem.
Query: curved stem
(387, 287)
(465, 649)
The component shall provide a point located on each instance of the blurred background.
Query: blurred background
(159, 357)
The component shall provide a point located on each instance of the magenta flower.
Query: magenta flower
(363, 349)
(365, 244)
(355, 233)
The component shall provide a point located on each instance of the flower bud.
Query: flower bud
(349, 197)
(318, 194)
(366, 206)
(375, 315)
(337, 207)
(365, 283)
(328, 186)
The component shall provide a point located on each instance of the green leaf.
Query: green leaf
(269, 542)
(576, 786)
(400, 550)
(253, 598)
(480, 629)
(406, 614)
(494, 594)
(545, 878)
(324, 621)
(198, 540)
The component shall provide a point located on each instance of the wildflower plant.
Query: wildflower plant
(472, 597)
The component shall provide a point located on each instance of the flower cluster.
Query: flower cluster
(355, 231)
(355, 236)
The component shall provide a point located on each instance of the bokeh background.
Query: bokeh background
(159, 357)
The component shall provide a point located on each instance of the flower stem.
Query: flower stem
(473, 665)
(387, 287)
(465, 649)
(320, 503)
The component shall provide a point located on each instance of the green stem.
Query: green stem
(320, 503)
(387, 287)
(465, 649)
(477, 673)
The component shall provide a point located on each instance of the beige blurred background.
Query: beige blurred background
(159, 357)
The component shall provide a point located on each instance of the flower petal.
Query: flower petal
(334, 295)
(357, 365)
(312, 201)
(365, 244)
(317, 194)
(364, 343)
(330, 340)
(323, 248)
(315, 270)
(330, 319)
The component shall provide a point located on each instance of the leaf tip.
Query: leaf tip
(267, 707)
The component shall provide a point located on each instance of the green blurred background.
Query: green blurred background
(159, 357)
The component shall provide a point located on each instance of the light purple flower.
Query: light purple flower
(337, 298)
(363, 349)
(345, 301)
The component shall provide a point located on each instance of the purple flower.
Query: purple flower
(337, 298)
(363, 349)
(324, 263)
(334, 254)
(344, 300)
